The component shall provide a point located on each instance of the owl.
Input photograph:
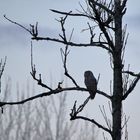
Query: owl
(91, 83)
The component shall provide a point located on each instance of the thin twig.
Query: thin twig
(65, 53)
(101, 6)
(100, 21)
(17, 24)
(107, 121)
(132, 73)
(94, 122)
(2, 67)
(72, 14)
(34, 32)
(125, 122)
(133, 84)
(131, 88)
(33, 72)
(75, 111)
(34, 28)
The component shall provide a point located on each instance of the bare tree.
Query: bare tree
(107, 17)
(43, 119)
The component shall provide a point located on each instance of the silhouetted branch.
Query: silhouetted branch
(103, 21)
(101, 5)
(2, 67)
(107, 121)
(125, 121)
(131, 88)
(72, 14)
(126, 130)
(34, 32)
(33, 72)
(124, 3)
(65, 53)
(95, 122)
(33, 28)
(93, 44)
(53, 91)
(101, 25)
(75, 111)
(133, 84)
(69, 43)
(104, 94)
(17, 24)
(123, 6)
(126, 81)
(132, 73)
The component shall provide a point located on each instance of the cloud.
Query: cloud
(10, 34)
(13, 35)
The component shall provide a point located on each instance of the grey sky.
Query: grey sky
(15, 44)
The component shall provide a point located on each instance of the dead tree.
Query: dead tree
(107, 17)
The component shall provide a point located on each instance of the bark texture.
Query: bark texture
(117, 74)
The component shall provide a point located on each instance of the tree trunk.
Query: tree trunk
(117, 99)
(117, 74)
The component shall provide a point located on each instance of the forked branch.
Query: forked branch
(65, 53)
(101, 5)
(133, 84)
(33, 72)
(33, 30)
(107, 121)
(74, 116)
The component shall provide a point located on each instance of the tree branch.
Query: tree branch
(93, 44)
(72, 14)
(33, 28)
(131, 73)
(95, 122)
(133, 84)
(34, 32)
(75, 112)
(131, 88)
(2, 67)
(104, 94)
(102, 6)
(33, 72)
(64, 54)
(55, 91)
(101, 23)
(123, 6)
(107, 121)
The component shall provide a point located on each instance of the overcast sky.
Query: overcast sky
(15, 44)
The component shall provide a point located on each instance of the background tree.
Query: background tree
(107, 17)
(43, 119)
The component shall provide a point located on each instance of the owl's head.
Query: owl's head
(88, 73)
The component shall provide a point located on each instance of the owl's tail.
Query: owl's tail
(92, 94)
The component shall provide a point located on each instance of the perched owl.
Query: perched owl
(91, 83)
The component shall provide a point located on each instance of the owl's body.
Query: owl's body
(91, 83)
